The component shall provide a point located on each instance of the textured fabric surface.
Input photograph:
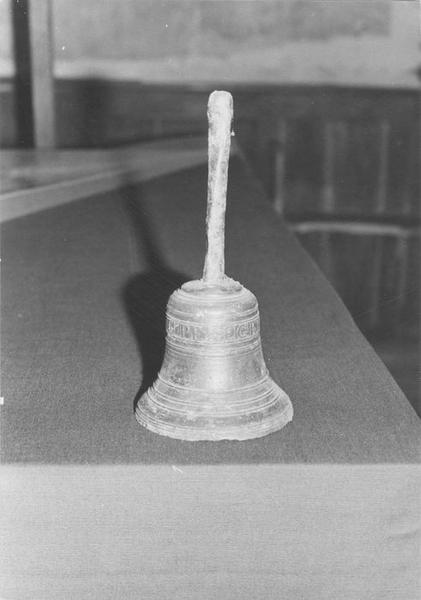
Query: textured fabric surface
(84, 294)
(237, 532)
(94, 506)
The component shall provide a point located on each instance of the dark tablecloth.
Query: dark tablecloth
(84, 293)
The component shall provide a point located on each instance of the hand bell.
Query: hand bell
(213, 383)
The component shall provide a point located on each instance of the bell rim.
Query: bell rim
(241, 432)
(276, 412)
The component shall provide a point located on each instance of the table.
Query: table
(94, 506)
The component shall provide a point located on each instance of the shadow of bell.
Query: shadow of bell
(145, 295)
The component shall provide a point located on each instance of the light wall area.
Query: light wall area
(352, 42)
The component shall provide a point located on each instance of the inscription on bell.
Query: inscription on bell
(223, 333)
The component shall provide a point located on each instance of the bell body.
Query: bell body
(213, 384)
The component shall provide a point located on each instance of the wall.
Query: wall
(320, 41)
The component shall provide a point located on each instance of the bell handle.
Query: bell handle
(220, 114)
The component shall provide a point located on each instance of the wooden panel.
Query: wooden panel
(16, 93)
(304, 167)
(96, 102)
(41, 44)
(381, 290)
(10, 136)
(278, 195)
(34, 111)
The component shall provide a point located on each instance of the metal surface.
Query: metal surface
(214, 384)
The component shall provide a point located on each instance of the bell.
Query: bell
(213, 383)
